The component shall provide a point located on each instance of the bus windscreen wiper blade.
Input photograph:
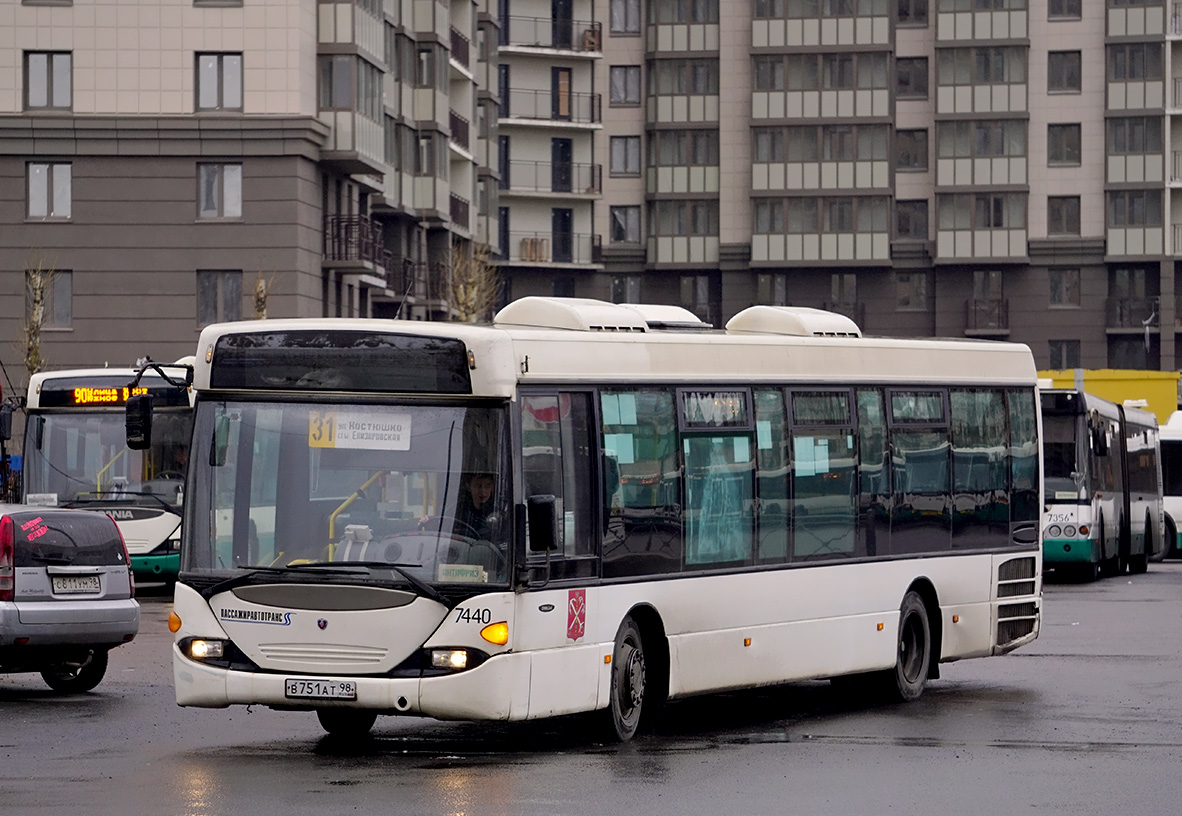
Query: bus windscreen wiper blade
(249, 572)
(423, 588)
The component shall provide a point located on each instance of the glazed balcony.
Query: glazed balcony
(580, 36)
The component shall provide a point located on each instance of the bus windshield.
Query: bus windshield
(292, 484)
(1063, 464)
(79, 458)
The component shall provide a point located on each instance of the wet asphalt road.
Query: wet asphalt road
(1087, 720)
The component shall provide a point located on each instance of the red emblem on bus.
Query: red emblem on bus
(576, 613)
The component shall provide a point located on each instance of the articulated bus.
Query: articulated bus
(590, 507)
(1171, 471)
(75, 456)
(1103, 482)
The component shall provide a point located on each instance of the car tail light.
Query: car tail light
(126, 558)
(7, 556)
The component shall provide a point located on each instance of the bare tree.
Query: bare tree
(473, 283)
(38, 282)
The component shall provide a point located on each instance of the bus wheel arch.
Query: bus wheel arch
(1170, 544)
(639, 680)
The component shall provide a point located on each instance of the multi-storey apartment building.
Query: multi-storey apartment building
(166, 157)
(984, 168)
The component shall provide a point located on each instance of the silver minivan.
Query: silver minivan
(66, 594)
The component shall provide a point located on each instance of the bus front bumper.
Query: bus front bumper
(1070, 551)
(487, 692)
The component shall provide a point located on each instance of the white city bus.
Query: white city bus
(596, 507)
(1103, 483)
(1171, 469)
(75, 456)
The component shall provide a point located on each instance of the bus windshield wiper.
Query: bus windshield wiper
(249, 572)
(94, 497)
(423, 588)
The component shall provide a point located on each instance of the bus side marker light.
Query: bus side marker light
(956, 618)
(607, 659)
(174, 622)
(746, 641)
(880, 627)
(496, 633)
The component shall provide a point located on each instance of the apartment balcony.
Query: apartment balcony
(353, 244)
(551, 248)
(461, 48)
(565, 179)
(1177, 245)
(543, 35)
(1176, 93)
(1174, 23)
(1132, 313)
(552, 107)
(991, 316)
(417, 283)
(459, 129)
(460, 210)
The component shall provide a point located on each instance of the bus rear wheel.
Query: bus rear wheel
(906, 681)
(346, 722)
(628, 675)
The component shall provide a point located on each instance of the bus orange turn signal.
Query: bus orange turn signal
(496, 633)
(174, 622)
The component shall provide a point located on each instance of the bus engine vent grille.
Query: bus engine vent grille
(1015, 588)
(1017, 569)
(322, 653)
(1015, 621)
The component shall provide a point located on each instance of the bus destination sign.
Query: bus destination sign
(106, 392)
(106, 396)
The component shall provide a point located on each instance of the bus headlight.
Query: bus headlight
(205, 649)
(454, 659)
(1054, 531)
(1069, 531)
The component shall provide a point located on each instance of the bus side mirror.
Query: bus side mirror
(1099, 442)
(139, 421)
(543, 523)
(5, 423)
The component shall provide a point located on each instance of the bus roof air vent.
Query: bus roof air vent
(794, 320)
(659, 317)
(576, 314)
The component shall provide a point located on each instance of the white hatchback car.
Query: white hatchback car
(66, 594)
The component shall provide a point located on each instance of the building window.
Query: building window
(912, 12)
(911, 150)
(625, 16)
(1063, 215)
(911, 291)
(1134, 134)
(680, 148)
(219, 82)
(992, 138)
(625, 225)
(682, 77)
(1063, 72)
(769, 217)
(911, 220)
(625, 155)
(48, 80)
(1065, 10)
(1064, 288)
(981, 211)
(843, 289)
(985, 65)
(1134, 208)
(625, 85)
(814, 72)
(626, 289)
(50, 190)
(219, 191)
(683, 218)
(811, 143)
(1134, 61)
(57, 297)
(1063, 144)
(1064, 354)
(662, 12)
(219, 296)
(911, 78)
(772, 289)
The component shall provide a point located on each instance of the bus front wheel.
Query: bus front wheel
(628, 674)
(346, 722)
(906, 681)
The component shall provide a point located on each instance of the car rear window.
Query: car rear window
(55, 537)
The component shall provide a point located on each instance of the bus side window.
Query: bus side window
(556, 461)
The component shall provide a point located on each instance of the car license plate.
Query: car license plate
(320, 689)
(75, 584)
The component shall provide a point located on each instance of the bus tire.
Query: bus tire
(1170, 535)
(77, 680)
(1140, 563)
(627, 685)
(346, 722)
(906, 681)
